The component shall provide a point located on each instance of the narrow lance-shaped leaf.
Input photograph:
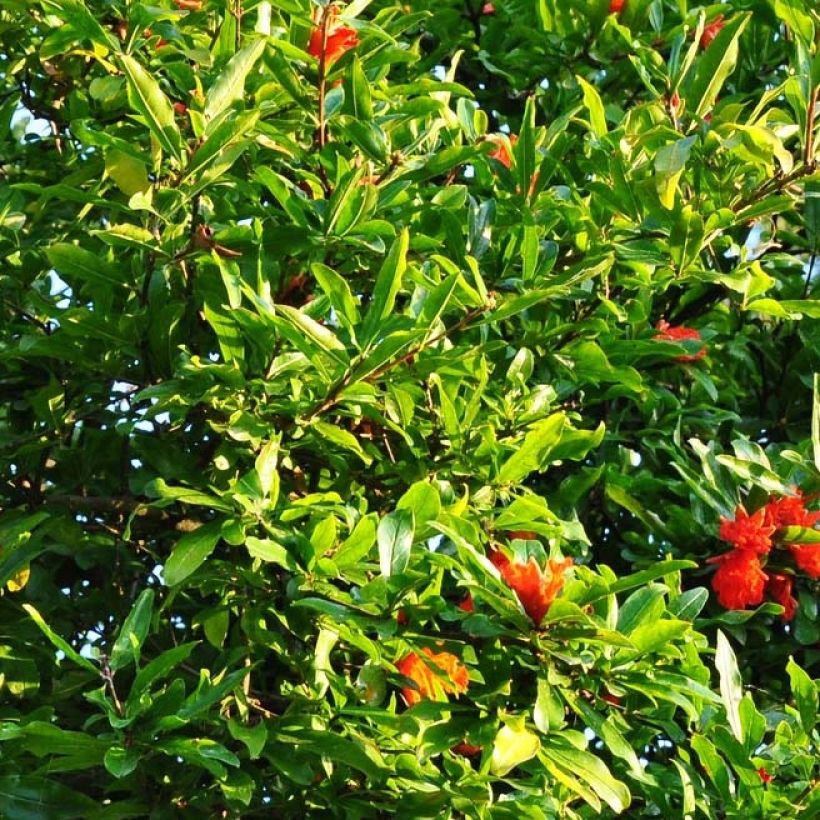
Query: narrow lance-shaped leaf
(134, 630)
(147, 98)
(731, 689)
(395, 538)
(230, 85)
(60, 643)
(714, 66)
(190, 552)
(388, 283)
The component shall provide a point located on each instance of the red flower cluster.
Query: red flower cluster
(340, 39)
(740, 580)
(616, 6)
(679, 334)
(711, 31)
(450, 675)
(535, 588)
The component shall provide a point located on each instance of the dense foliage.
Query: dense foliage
(409, 409)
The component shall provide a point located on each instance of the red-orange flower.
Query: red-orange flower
(711, 31)
(807, 557)
(679, 334)
(780, 590)
(790, 511)
(402, 618)
(188, 5)
(748, 532)
(740, 580)
(450, 676)
(467, 604)
(535, 588)
(340, 39)
(501, 153)
(616, 6)
(180, 108)
(765, 776)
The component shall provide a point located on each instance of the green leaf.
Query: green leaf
(595, 107)
(120, 762)
(134, 631)
(146, 97)
(266, 550)
(73, 261)
(731, 685)
(422, 499)
(643, 605)
(33, 797)
(230, 85)
(514, 744)
(714, 765)
(670, 160)
(254, 737)
(804, 692)
(338, 292)
(592, 771)
(59, 642)
(358, 544)
(395, 538)
(212, 152)
(714, 66)
(524, 149)
(815, 421)
(388, 284)
(312, 332)
(157, 669)
(342, 438)
(362, 103)
(533, 450)
(190, 552)
(653, 637)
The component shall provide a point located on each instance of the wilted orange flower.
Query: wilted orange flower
(501, 153)
(748, 532)
(402, 618)
(711, 31)
(180, 108)
(780, 590)
(340, 39)
(807, 557)
(535, 588)
(524, 535)
(466, 749)
(679, 334)
(740, 580)
(451, 675)
(789, 511)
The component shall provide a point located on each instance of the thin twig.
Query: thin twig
(333, 396)
(107, 674)
(811, 112)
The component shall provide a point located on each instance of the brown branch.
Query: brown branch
(123, 505)
(333, 396)
(811, 113)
